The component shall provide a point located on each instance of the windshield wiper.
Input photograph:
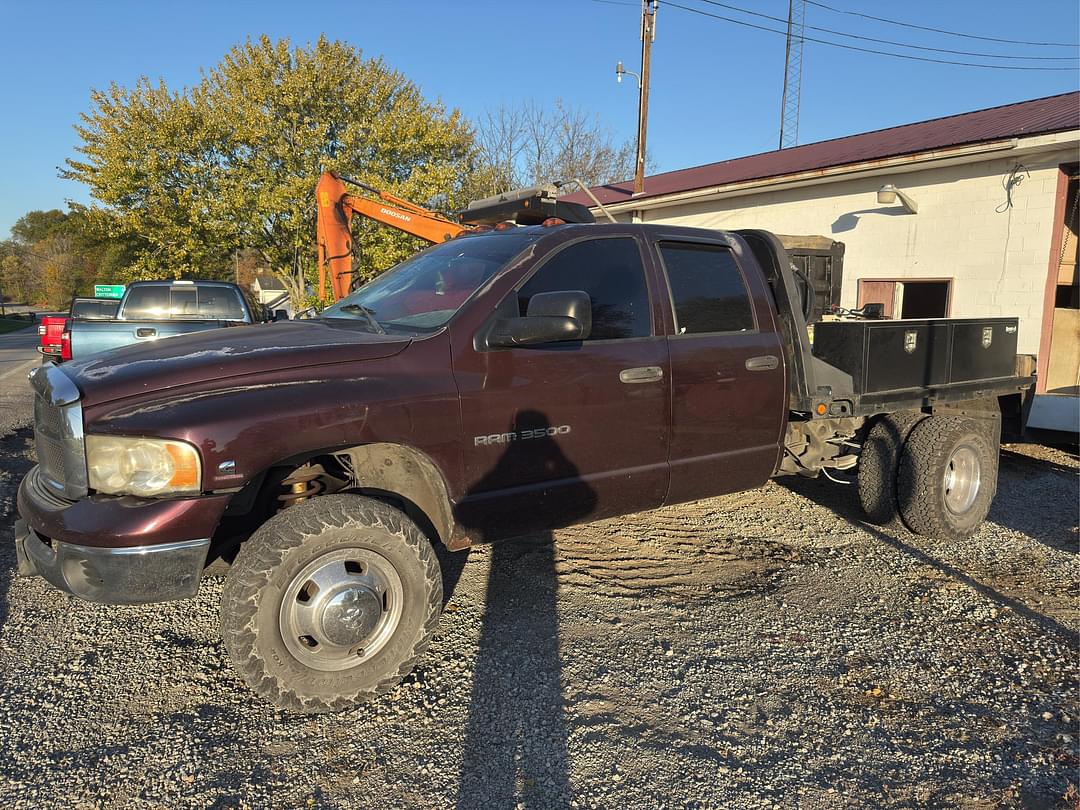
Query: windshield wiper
(369, 316)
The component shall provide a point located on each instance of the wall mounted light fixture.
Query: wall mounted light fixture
(888, 193)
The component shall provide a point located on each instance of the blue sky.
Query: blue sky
(715, 92)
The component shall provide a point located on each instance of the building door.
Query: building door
(1063, 367)
(879, 292)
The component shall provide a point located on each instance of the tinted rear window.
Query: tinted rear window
(220, 303)
(147, 302)
(162, 302)
(707, 289)
(94, 310)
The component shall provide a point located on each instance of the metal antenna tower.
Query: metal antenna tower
(793, 66)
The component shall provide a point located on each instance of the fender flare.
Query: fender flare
(407, 473)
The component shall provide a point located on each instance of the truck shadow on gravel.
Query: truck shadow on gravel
(842, 501)
(515, 749)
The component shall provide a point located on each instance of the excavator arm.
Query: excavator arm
(336, 208)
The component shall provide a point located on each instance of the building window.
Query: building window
(908, 298)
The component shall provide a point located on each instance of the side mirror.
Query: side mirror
(552, 317)
(569, 304)
(281, 315)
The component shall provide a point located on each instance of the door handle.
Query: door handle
(642, 374)
(145, 332)
(766, 362)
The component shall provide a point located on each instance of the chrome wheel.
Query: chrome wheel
(341, 609)
(963, 476)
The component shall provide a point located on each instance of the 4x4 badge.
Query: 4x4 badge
(911, 340)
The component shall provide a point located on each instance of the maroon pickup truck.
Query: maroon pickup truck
(504, 382)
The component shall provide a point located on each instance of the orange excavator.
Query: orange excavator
(334, 226)
(336, 207)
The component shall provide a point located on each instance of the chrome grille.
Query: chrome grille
(58, 433)
(48, 440)
(51, 457)
(47, 417)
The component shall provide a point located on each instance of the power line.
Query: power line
(867, 50)
(890, 41)
(942, 30)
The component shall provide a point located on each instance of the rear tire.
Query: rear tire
(947, 477)
(330, 603)
(879, 463)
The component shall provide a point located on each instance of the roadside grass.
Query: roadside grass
(10, 325)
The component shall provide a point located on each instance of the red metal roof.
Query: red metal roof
(1040, 116)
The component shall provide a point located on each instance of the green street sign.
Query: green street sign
(108, 291)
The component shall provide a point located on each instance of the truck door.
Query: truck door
(563, 433)
(727, 373)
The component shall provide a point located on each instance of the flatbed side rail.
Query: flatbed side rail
(918, 398)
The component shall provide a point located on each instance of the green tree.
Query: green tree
(36, 226)
(232, 163)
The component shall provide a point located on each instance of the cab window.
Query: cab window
(611, 272)
(707, 289)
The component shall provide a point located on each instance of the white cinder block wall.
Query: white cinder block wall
(998, 261)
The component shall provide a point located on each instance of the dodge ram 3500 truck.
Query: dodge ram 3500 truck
(496, 384)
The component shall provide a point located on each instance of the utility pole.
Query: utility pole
(648, 34)
(793, 66)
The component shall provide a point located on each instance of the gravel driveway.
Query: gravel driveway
(758, 650)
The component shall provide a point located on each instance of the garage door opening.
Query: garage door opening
(910, 298)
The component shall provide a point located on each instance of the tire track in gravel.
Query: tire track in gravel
(699, 549)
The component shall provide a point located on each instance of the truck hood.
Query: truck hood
(220, 354)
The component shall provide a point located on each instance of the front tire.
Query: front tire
(330, 603)
(947, 478)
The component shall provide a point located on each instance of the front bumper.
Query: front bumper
(117, 521)
(122, 576)
(119, 550)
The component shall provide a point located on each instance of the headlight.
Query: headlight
(119, 465)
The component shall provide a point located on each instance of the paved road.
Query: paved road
(18, 355)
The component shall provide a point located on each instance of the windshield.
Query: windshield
(424, 291)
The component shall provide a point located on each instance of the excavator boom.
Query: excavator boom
(334, 222)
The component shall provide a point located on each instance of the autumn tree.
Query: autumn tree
(54, 255)
(231, 163)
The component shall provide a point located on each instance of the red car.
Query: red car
(55, 336)
(50, 329)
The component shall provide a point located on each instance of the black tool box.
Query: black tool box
(889, 356)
